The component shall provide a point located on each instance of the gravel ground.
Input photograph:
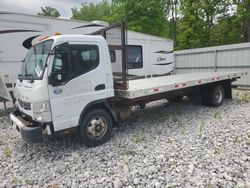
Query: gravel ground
(181, 145)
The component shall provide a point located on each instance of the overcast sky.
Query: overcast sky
(34, 6)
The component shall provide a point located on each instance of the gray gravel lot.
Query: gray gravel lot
(179, 145)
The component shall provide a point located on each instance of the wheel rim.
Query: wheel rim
(97, 127)
(218, 95)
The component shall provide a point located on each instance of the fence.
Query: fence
(226, 58)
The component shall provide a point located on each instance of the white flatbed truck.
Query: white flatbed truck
(67, 84)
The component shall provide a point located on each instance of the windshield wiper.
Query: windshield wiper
(20, 76)
(29, 75)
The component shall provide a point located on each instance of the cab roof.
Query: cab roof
(75, 38)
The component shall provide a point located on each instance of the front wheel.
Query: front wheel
(96, 128)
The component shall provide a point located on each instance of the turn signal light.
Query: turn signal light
(58, 33)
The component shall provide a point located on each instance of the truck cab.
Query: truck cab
(61, 76)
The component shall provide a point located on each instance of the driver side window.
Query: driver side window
(71, 61)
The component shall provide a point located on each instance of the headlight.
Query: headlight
(41, 111)
(38, 117)
(41, 107)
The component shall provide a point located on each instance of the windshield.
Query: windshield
(35, 60)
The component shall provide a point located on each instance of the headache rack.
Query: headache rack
(116, 37)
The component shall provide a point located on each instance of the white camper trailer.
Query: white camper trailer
(148, 56)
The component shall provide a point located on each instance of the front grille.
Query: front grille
(25, 105)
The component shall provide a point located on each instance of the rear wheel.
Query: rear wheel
(214, 96)
(96, 128)
(217, 96)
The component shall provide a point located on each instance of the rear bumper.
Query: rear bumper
(29, 134)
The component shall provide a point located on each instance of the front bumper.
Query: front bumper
(29, 134)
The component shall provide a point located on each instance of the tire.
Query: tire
(96, 128)
(214, 96)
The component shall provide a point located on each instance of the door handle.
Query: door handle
(100, 87)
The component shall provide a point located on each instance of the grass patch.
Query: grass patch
(237, 139)
(221, 150)
(246, 97)
(1, 140)
(201, 127)
(15, 180)
(183, 127)
(217, 116)
(139, 139)
(248, 139)
(130, 152)
(7, 152)
(29, 182)
(163, 115)
(53, 186)
(175, 119)
(209, 185)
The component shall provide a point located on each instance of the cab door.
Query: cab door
(77, 78)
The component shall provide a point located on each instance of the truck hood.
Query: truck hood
(32, 91)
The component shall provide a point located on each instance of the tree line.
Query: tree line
(190, 23)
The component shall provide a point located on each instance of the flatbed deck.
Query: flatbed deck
(151, 86)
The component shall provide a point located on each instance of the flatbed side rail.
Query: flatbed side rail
(153, 86)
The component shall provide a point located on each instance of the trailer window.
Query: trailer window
(84, 58)
(134, 58)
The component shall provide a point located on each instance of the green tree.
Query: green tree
(225, 32)
(172, 10)
(90, 12)
(49, 11)
(205, 23)
(190, 23)
(243, 16)
(142, 16)
(190, 26)
(147, 17)
(212, 11)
